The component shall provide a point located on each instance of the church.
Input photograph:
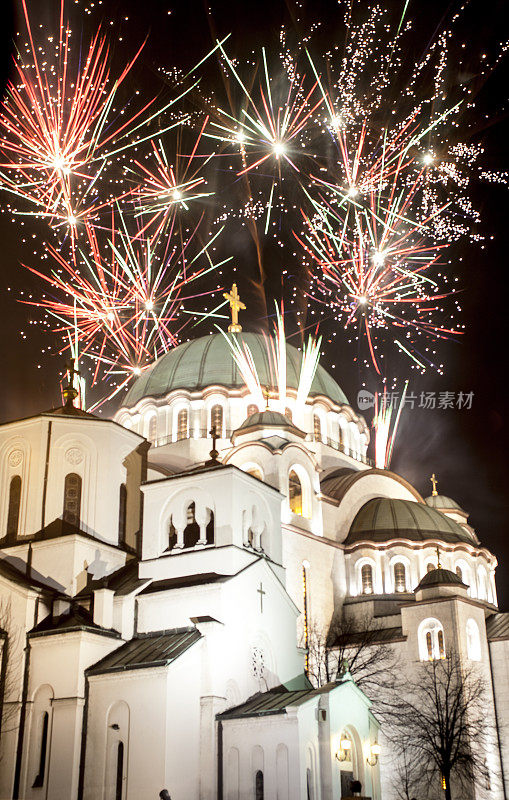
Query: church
(160, 571)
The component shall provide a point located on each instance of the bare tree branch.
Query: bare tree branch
(361, 643)
(437, 723)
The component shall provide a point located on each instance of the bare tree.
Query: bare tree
(361, 645)
(406, 777)
(9, 654)
(437, 723)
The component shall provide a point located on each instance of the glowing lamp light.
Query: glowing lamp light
(363, 300)
(136, 371)
(278, 149)
(428, 159)
(374, 753)
(177, 195)
(71, 219)
(353, 191)
(379, 258)
(240, 136)
(345, 746)
(149, 305)
(337, 121)
(58, 162)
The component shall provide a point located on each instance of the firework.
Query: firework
(375, 260)
(122, 304)
(168, 188)
(382, 423)
(359, 152)
(270, 125)
(57, 130)
(276, 357)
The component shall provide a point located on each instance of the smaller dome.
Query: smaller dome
(440, 577)
(441, 501)
(266, 418)
(383, 518)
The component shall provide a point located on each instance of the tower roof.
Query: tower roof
(208, 361)
(439, 577)
(441, 501)
(383, 518)
(268, 419)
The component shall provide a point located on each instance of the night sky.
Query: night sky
(466, 448)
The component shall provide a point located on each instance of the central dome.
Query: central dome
(208, 361)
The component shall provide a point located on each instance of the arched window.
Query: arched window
(483, 584)
(122, 513)
(216, 419)
(473, 641)
(120, 771)
(72, 499)
(463, 571)
(251, 409)
(309, 784)
(39, 779)
(152, 429)
(288, 414)
(255, 472)
(295, 492)
(14, 507)
(172, 536)
(431, 640)
(209, 530)
(192, 529)
(399, 577)
(317, 428)
(259, 795)
(367, 579)
(182, 424)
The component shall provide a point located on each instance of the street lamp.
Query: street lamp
(345, 747)
(374, 752)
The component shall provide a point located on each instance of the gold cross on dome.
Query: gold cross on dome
(236, 305)
(433, 480)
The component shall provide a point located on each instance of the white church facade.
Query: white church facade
(157, 586)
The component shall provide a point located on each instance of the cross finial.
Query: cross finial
(266, 394)
(214, 452)
(70, 392)
(236, 305)
(439, 566)
(433, 480)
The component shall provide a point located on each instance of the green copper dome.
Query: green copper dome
(441, 501)
(208, 361)
(384, 518)
(440, 577)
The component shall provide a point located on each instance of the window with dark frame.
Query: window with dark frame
(72, 499)
(39, 779)
(14, 507)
